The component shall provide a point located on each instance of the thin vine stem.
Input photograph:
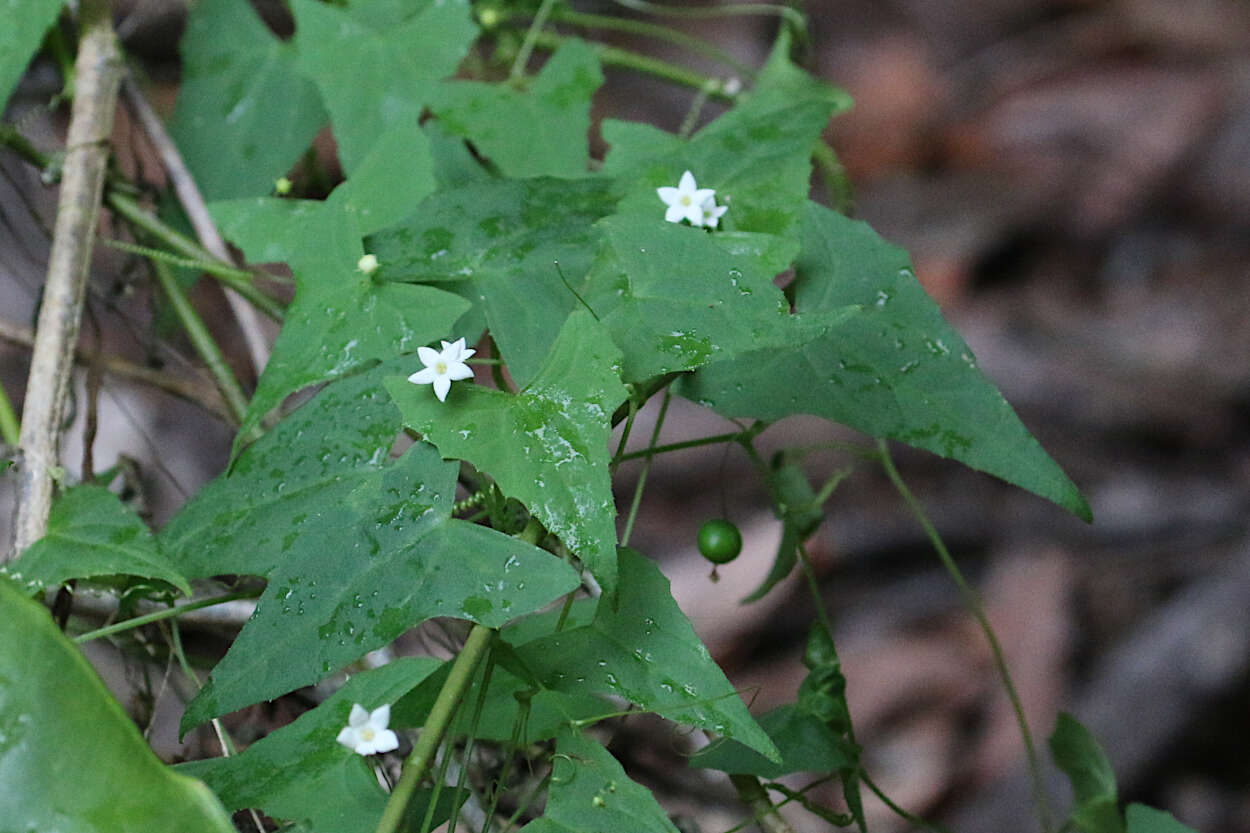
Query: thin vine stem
(642, 476)
(168, 613)
(973, 603)
(910, 818)
(476, 647)
(10, 427)
(732, 437)
(202, 340)
(625, 432)
(531, 36)
(791, 16)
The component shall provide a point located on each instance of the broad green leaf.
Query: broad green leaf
(675, 300)
(357, 548)
(396, 174)
(590, 793)
(301, 773)
(644, 649)
(806, 744)
(91, 534)
(377, 64)
(893, 369)
(757, 156)
(26, 21)
(1078, 754)
(244, 115)
(455, 166)
(546, 446)
(1143, 819)
(70, 757)
(541, 131)
(498, 244)
(800, 516)
(341, 319)
(513, 708)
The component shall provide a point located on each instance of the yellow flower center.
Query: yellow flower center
(440, 368)
(685, 200)
(367, 733)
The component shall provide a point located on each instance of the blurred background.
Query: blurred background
(1072, 178)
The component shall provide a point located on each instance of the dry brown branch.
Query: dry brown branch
(204, 396)
(193, 204)
(98, 71)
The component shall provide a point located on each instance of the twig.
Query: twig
(98, 70)
(193, 204)
(206, 398)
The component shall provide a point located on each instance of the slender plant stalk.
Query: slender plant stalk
(418, 764)
(642, 477)
(527, 46)
(202, 340)
(616, 57)
(201, 395)
(679, 446)
(973, 602)
(752, 794)
(10, 428)
(98, 75)
(227, 273)
(147, 619)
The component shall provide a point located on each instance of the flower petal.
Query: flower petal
(669, 194)
(428, 355)
(386, 741)
(459, 371)
(703, 195)
(423, 377)
(675, 212)
(464, 354)
(380, 717)
(441, 385)
(359, 716)
(348, 737)
(687, 183)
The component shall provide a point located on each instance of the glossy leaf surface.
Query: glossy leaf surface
(301, 773)
(498, 244)
(70, 757)
(894, 369)
(357, 548)
(20, 37)
(1143, 819)
(90, 533)
(546, 446)
(590, 793)
(244, 115)
(539, 131)
(645, 650)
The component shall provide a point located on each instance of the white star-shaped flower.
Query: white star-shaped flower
(443, 367)
(686, 201)
(713, 212)
(366, 732)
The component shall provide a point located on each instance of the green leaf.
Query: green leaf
(90, 534)
(301, 773)
(893, 369)
(26, 21)
(590, 793)
(1078, 754)
(645, 650)
(541, 131)
(498, 244)
(70, 758)
(1143, 819)
(546, 446)
(341, 319)
(806, 744)
(244, 115)
(757, 156)
(800, 517)
(396, 174)
(377, 64)
(674, 300)
(357, 548)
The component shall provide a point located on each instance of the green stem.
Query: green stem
(910, 818)
(418, 764)
(185, 246)
(10, 428)
(832, 172)
(752, 794)
(791, 16)
(973, 603)
(167, 613)
(531, 36)
(616, 57)
(625, 432)
(684, 444)
(642, 477)
(202, 340)
(653, 30)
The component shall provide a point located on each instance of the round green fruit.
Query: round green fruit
(719, 541)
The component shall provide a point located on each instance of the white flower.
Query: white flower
(368, 264)
(366, 732)
(712, 212)
(686, 201)
(443, 367)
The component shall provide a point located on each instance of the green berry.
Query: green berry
(719, 541)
